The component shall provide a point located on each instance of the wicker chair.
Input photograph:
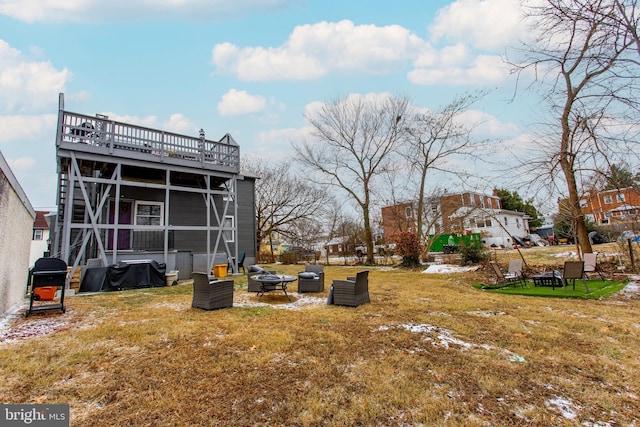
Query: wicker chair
(311, 279)
(211, 294)
(253, 270)
(350, 292)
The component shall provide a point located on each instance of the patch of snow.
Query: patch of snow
(299, 302)
(487, 313)
(565, 255)
(36, 326)
(632, 289)
(566, 407)
(447, 268)
(443, 337)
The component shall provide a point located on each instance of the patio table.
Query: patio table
(271, 282)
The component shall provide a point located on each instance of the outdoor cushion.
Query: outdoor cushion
(308, 275)
(256, 269)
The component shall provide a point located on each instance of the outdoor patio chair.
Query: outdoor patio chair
(211, 294)
(573, 270)
(311, 279)
(253, 270)
(504, 279)
(241, 257)
(515, 268)
(591, 265)
(350, 292)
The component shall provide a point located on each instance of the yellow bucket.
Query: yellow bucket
(220, 270)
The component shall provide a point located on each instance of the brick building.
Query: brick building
(612, 207)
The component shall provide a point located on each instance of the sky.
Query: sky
(251, 68)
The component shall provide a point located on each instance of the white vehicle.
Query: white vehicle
(381, 250)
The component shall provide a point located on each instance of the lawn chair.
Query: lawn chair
(573, 270)
(515, 269)
(311, 279)
(591, 266)
(241, 257)
(350, 292)
(503, 279)
(211, 294)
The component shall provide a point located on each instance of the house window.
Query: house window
(149, 213)
(518, 222)
(37, 234)
(229, 232)
(487, 222)
(608, 200)
(583, 203)
(506, 221)
(620, 197)
(482, 202)
(407, 211)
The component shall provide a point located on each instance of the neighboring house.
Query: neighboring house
(127, 192)
(16, 222)
(40, 238)
(272, 245)
(618, 208)
(339, 246)
(461, 213)
(497, 227)
(399, 218)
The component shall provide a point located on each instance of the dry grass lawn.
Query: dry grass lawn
(428, 350)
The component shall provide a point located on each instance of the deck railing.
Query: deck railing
(100, 131)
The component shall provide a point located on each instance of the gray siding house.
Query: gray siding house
(16, 224)
(128, 192)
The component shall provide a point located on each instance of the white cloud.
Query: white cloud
(148, 121)
(237, 102)
(27, 85)
(22, 164)
(177, 122)
(127, 10)
(455, 69)
(313, 51)
(27, 127)
(483, 24)
(276, 143)
(488, 125)
(315, 107)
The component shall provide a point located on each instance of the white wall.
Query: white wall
(16, 222)
(503, 225)
(38, 247)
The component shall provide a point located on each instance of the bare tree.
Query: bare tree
(282, 199)
(355, 137)
(584, 58)
(433, 138)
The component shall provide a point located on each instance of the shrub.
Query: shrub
(472, 252)
(408, 246)
(289, 257)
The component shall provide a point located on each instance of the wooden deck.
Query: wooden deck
(102, 136)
